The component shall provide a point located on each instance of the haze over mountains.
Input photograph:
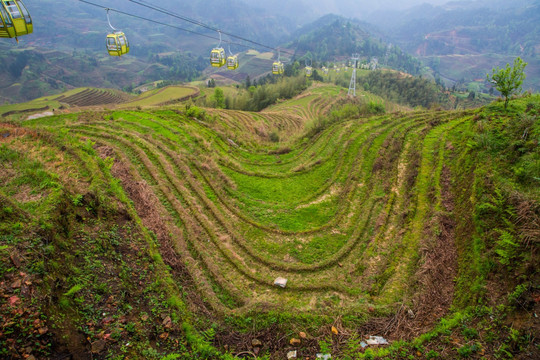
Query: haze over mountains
(457, 41)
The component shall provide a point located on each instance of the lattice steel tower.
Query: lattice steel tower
(352, 85)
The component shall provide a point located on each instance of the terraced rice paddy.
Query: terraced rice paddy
(92, 97)
(342, 215)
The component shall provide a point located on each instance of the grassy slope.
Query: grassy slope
(358, 216)
(94, 96)
(161, 96)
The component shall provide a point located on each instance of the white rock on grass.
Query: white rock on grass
(281, 282)
(376, 340)
(291, 355)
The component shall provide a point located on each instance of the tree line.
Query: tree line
(399, 88)
(259, 94)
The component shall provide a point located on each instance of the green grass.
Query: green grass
(160, 96)
(344, 211)
(35, 104)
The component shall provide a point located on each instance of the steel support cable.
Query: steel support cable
(201, 24)
(157, 22)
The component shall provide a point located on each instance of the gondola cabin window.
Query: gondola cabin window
(5, 17)
(26, 15)
(111, 44)
(13, 9)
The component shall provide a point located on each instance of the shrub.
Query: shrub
(274, 137)
(195, 112)
(375, 108)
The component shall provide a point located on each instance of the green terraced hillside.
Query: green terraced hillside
(406, 225)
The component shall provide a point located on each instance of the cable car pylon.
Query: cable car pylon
(309, 68)
(352, 85)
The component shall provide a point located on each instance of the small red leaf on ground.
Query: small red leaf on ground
(13, 300)
(16, 284)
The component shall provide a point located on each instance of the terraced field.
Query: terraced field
(92, 97)
(333, 214)
(290, 118)
(381, 225)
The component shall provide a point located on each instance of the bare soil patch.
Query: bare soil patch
(25, 195)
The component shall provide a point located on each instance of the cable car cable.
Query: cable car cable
(156, 22)
(199, 23)
(194, 32)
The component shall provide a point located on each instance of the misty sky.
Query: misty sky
(361, 9)
(338, 6)
(380, 4)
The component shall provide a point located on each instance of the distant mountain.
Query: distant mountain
(334, 37)
(465, 27)
(463, 40)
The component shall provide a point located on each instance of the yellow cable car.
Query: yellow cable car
(117, 44)
(217, 57)
(278, 68)
(232, 62)
(16, 20)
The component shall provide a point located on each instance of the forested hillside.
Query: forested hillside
(333, 37)
(463, 28)
(30, 74)
(461, 41)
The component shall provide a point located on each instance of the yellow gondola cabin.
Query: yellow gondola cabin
(16, 20)
(232, 62)
(217, 57)
(278, 68)
(117, 44)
